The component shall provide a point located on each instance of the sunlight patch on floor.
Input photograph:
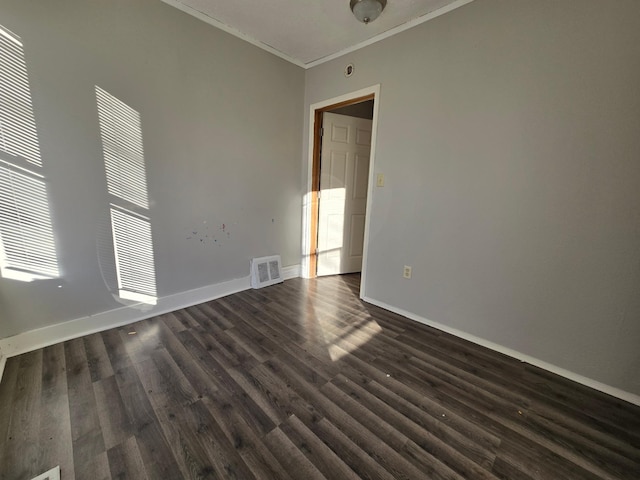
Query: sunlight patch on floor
(343, 341)
(347, 344)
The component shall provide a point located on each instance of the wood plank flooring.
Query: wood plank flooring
(301, 381)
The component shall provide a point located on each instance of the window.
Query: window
(121, 134)
(27, 247)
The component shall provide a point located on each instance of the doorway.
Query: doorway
(342, 135)
(344, 175)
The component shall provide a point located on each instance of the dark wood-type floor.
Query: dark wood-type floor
(301, 381)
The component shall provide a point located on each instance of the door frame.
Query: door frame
(310, 211)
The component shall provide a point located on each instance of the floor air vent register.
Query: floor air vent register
(266, 271)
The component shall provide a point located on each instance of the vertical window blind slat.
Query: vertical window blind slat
(27, 244)
(18, 134)
(121, 134)
(27, 234)
(134, 253)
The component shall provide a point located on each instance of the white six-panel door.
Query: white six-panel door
(344, 176)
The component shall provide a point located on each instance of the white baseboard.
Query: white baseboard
(50, 335)
(61, 332)
(292, 271)
(602, 387)
(3, 362)
(53, 474)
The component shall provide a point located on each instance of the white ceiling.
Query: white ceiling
(309, 32)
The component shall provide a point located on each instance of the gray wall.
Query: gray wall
(509, 137)
(221, 124)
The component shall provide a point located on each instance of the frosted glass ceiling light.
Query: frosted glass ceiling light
(367, 10)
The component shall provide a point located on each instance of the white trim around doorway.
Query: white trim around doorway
(307, 204)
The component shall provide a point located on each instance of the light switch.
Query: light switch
(380, 180)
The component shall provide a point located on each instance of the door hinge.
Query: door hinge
(319, 194)
(321, 131)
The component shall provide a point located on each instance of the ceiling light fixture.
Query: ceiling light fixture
(367, 10)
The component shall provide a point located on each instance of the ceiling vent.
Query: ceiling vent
(266, 271)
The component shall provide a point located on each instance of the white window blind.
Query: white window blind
(18, 134)
(27, 248)
(27, 236)
(134, 255)
(121, 134)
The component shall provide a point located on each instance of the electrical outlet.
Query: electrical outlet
(380, 180)
(406, 272)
